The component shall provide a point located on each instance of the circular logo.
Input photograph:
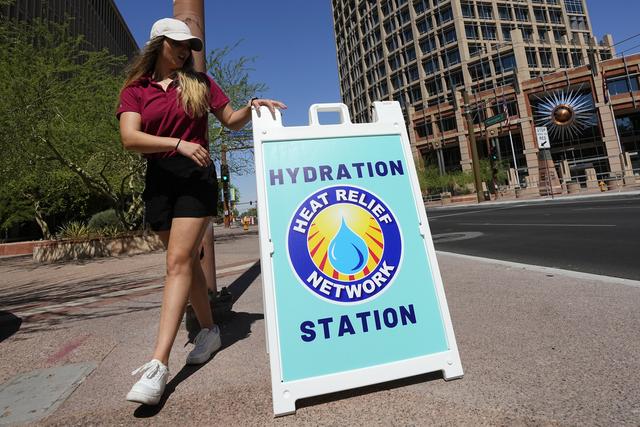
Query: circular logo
(344, 244)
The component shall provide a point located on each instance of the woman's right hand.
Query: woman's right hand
(195, 152)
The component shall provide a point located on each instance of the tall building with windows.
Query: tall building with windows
(423, 53)
(99, 21)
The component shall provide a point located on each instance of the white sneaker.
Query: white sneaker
(149, 388)
(207, 342)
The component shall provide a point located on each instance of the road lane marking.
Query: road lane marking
(431, 217)
(536, 224)
(115, 294)
(548, 270)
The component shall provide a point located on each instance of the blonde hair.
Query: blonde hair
(193, 86)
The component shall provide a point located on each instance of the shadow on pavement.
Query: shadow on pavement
(241, 284)
(9, 324)
(237, 329)
(389, 385)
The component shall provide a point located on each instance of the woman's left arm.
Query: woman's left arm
(236, 120)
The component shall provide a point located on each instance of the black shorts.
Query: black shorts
(177, 187)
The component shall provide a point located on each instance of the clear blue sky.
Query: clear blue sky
(293, 43)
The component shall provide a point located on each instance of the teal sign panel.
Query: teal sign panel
(352, 279)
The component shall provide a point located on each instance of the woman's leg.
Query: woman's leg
(199, 297)
(182, 250)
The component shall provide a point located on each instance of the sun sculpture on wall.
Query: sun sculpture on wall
(564, 113)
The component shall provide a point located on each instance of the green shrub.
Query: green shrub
(74, 230)
(104, 219)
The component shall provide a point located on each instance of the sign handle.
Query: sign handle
(339, 108)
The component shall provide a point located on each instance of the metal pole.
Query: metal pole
(225, 188)
(515, 162)
(474, 149)
(191, 12)
(546, 165)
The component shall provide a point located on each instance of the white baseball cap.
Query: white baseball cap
(175, 30)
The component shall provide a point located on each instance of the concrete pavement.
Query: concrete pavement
(538, 348)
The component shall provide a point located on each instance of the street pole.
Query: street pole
(191, 12)
(515, 162)
(475, 163)
(225, 187)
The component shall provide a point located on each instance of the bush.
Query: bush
(105, 219)
(74, 230)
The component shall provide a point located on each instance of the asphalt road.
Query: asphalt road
(595, 235)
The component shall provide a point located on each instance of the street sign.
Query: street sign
(352, 290)
(498, 118)
(543, 137)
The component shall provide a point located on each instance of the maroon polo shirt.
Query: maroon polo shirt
(163, 115)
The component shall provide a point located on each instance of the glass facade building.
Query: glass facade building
(99, 21)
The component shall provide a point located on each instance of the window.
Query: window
(412, 73)
(576, 57)
(545, 58)
(394, 61)
(563, 59)
(504, 63)
(539, 14)
(555, 16)
(489, 32)
(415, 94)
(558, 34)
(455, 79)
(434, 86)
(448, 124)
(505, 13)
(448, 36)
(543, 34)
(392, 43)
(474, 49)
(532, 60)
(506, 31)
(467, 10)
(527, 33)
(451, 56)
(396, 81)
(485, 11)
(427, 44)
(471, 31)
(622, 85)
(578, 23)
(404, 16)
(423, 25)
(445, 15)
(479, 70)
(407, 35)
(424, 129)
(409, 54)
(420, 6)
(522, 14)
(430, 65)
(574, 6)
(389, 25)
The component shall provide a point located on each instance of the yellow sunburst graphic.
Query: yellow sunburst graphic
(326, 226)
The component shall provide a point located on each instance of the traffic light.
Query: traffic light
(493, 154)
(224, 173)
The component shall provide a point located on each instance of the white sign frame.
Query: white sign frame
(388, 120)
(542, 135)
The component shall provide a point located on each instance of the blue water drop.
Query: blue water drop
(348, 253)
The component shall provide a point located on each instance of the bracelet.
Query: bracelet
(179, 141)
(251, 101)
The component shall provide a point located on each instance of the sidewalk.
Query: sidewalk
(556, 198)
(537, 348)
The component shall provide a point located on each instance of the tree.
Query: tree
(232, 74)
(60, 139)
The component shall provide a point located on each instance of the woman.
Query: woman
(163, 114)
